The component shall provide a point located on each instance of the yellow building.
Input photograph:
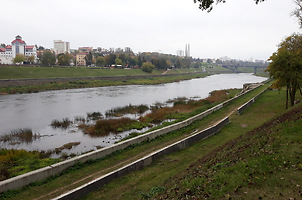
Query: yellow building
(80, 59)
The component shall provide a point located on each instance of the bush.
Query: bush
(148, 67)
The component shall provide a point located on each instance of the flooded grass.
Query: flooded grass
(64, 124)
(106, 126)
(66, 146)
(79, 119)
(94, 116)
(20, 136)
(182, 106)
(158, 114)
(120, 111)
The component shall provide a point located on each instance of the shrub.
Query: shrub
(148, 67)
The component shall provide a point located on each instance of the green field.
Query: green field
(32, 72)
(28, 72)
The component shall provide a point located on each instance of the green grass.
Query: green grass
(264, 163)
(184, 70)
(28, 72)
(171, 172)
(16, 162)
(96, 83)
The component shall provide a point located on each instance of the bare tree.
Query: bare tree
(208, 4)
(298, 11)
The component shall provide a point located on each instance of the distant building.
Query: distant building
(180, 53)
(187, 50)
(80, 59)
(30, 51)
(85, 49)
(60, 46)
(18, 46)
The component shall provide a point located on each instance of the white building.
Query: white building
(18, 46)
(60, 46)
(180, 53)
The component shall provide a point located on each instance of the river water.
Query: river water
(37, 111)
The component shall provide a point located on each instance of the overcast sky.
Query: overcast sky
(239, 29)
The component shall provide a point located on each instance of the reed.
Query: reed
(130, 109)
(66, 146)
(94, 116)
(64, 124)
(106, 126)
(20, 136)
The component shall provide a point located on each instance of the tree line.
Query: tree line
(147, 61)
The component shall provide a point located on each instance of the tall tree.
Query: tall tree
(48, 58)
(286, 66)
(100, 61)
(118, 61)
(64, 59)
(89, 59)
(110, 59)
(30, 59)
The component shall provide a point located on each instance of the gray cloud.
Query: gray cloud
(238, 29)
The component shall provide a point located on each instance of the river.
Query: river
(37, 111)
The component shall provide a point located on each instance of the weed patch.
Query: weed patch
(66, 146)
(20, 136)
(64, 124)
(130, 109)
(15, 162)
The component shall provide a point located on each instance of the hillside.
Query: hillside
(257, 156)
(265, 163)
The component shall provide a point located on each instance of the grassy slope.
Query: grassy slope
(21, 72)
(272, 170)
(262, 164)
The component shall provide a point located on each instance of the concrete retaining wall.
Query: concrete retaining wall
(141, 163)
(249, 103)
(41, 174)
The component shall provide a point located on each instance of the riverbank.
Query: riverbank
(38, 112)
(239, 162)
(38, 85)
(133, 153)
(32, 79)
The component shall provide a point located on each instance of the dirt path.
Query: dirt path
(166, 71)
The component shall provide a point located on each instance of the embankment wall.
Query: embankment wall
(141, 163)
(249, 103)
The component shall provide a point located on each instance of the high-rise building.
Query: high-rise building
(187, 50)
(60, 46)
